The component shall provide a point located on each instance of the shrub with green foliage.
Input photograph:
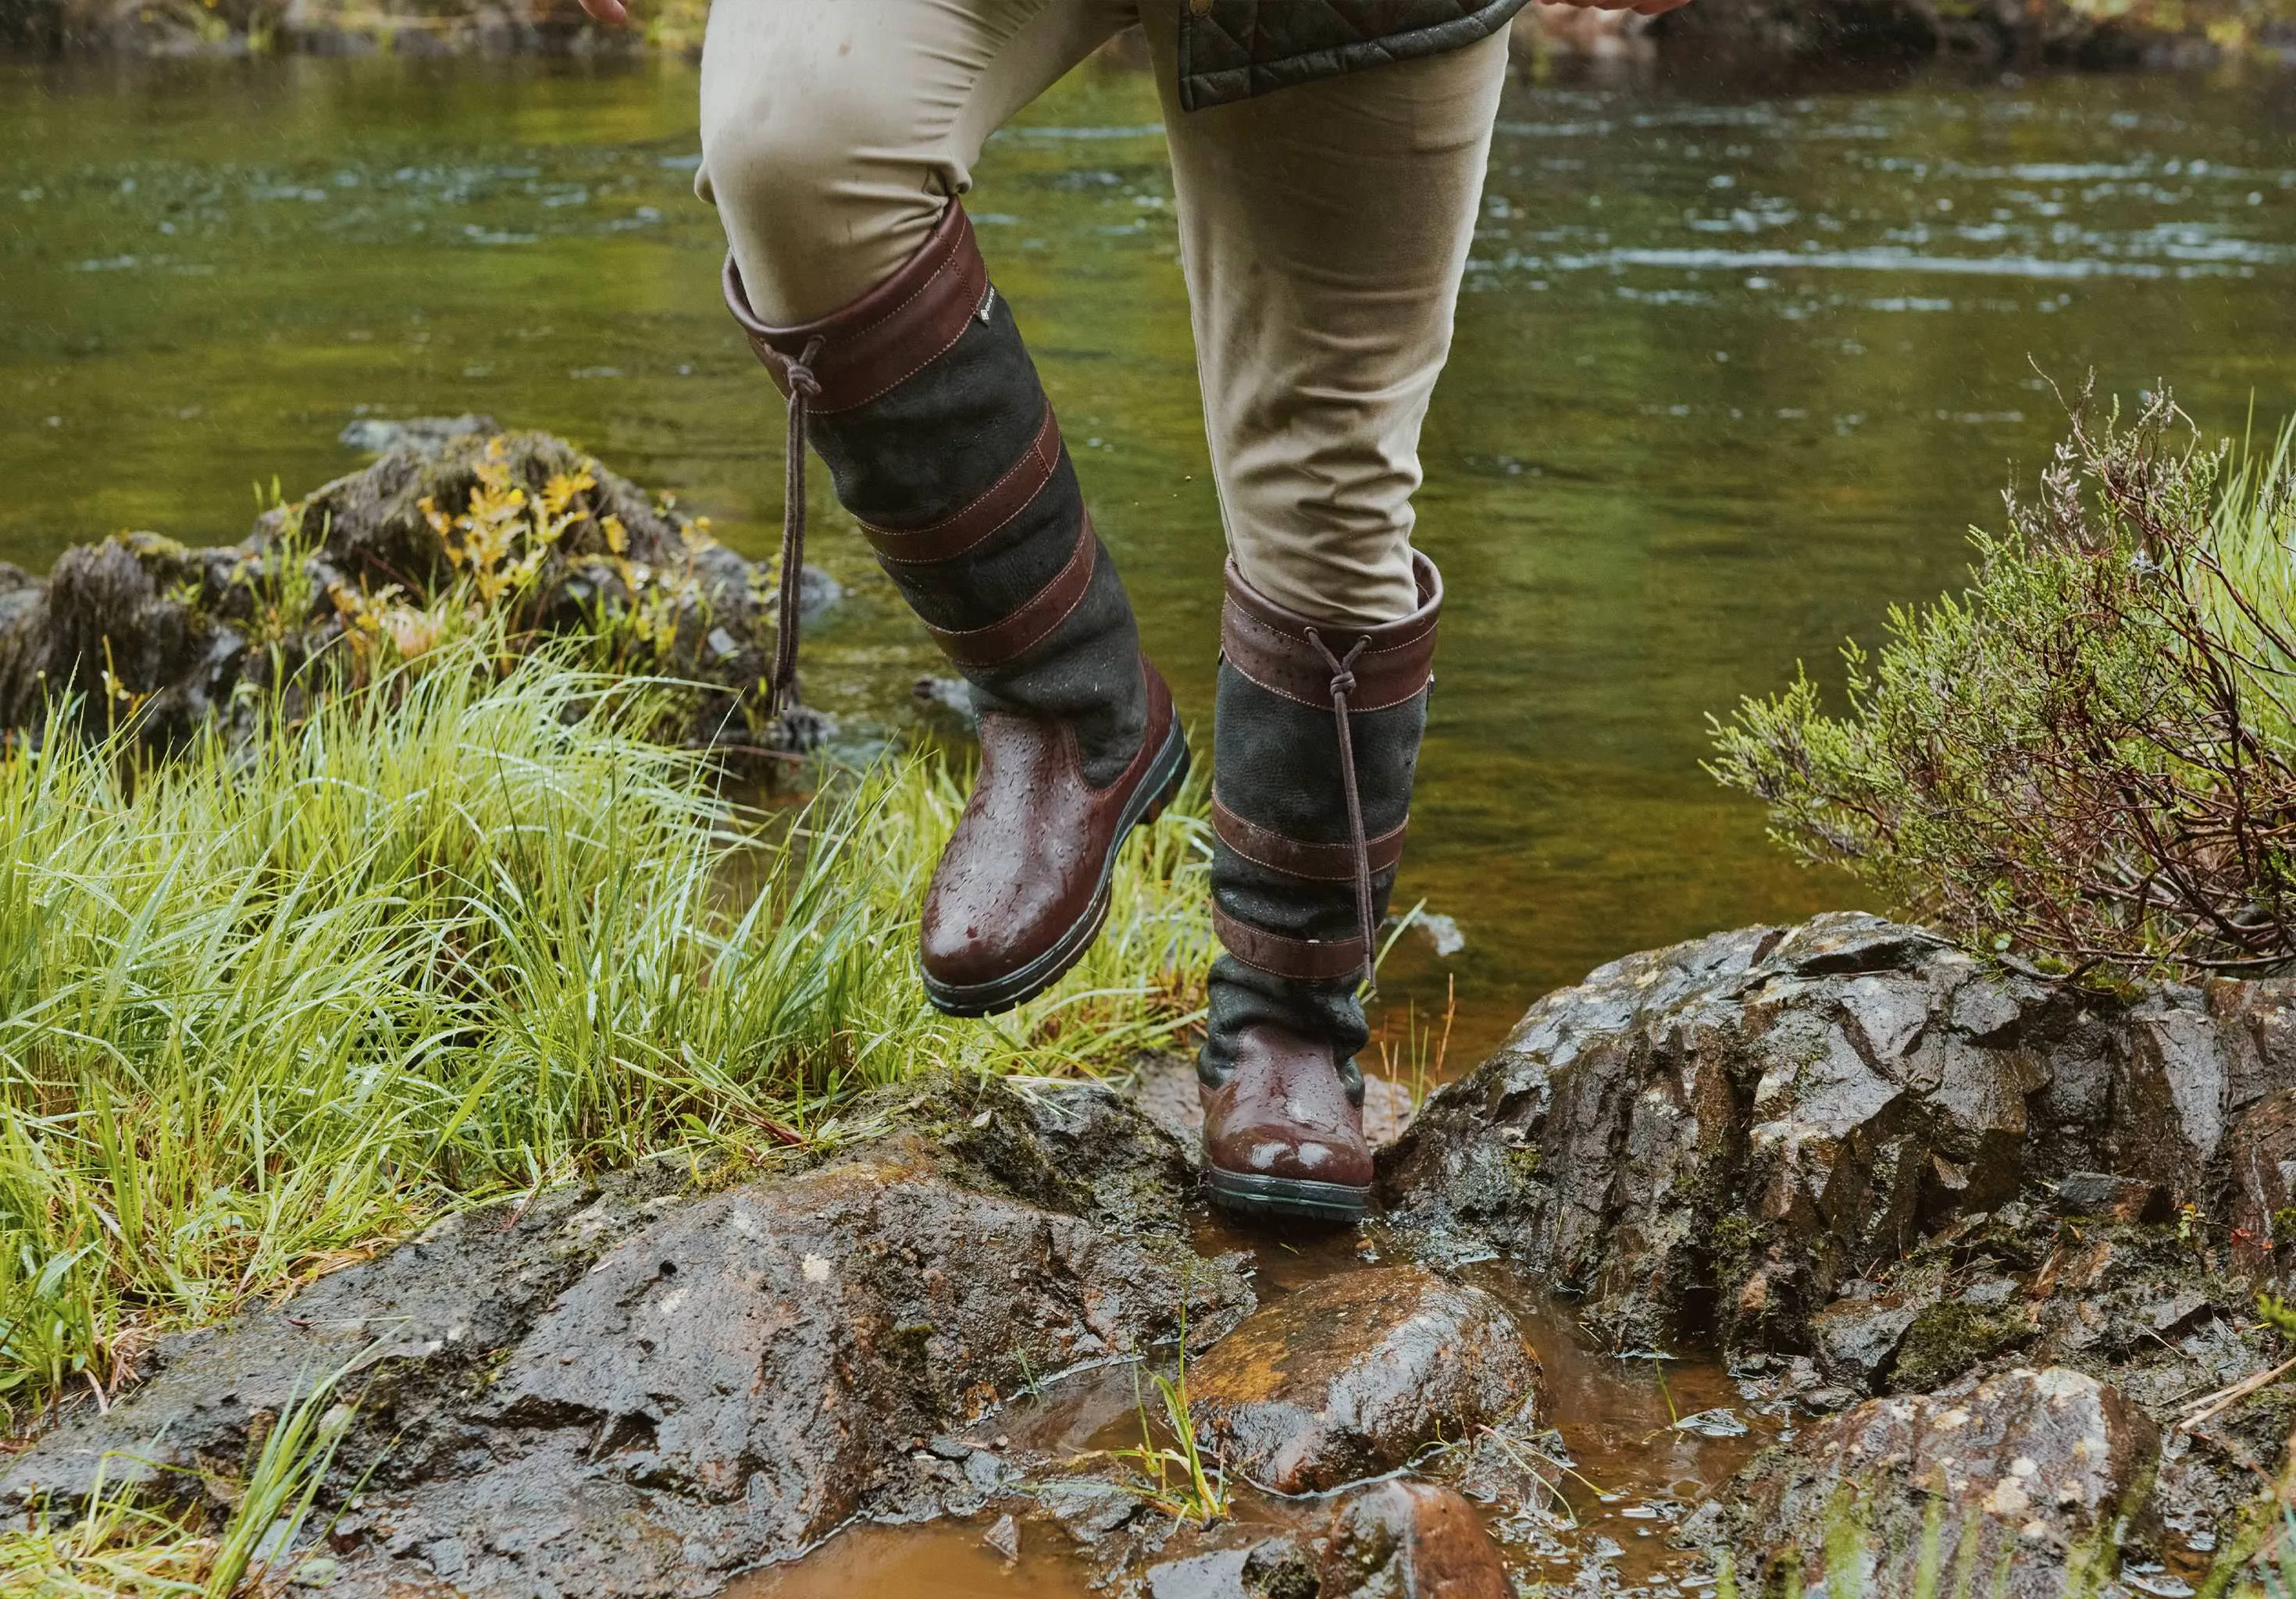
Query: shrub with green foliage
(2087, 758)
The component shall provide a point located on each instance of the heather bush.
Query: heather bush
(2086, 759)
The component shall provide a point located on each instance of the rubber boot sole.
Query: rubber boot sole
(1156, 791)
(1249, 1195)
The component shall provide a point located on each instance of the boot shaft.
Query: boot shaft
(1315, 748)
(923, 400)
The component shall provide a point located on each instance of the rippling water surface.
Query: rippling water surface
(1734, 371)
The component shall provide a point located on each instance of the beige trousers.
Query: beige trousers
(1323, 231)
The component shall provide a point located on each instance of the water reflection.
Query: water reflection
(1734, 371)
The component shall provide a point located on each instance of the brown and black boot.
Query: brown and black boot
(923, 401)
(1315, 747)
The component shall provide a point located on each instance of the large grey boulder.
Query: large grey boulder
(1864, 1162)
(1716, 1137)
(644, 1395)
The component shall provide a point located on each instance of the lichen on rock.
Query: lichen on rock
(520, 531)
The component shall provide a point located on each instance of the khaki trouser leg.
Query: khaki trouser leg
(1324, 230)
(834, 132)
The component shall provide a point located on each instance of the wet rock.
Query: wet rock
(1088, 1508)
(643, 1400)
(1715, 1139)
(1857, 1339)
(2114, 1199)
(2259, 1204)
(422, 1322)
(1351, 1376)
(1946, 1340)
(1719, 1423)
(144, 627)
(948, 697)
(1005, 1538)
(416, 435)
(1410, 1540)
(2024, 1485)
(1275, 1568)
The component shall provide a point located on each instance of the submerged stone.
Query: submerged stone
(418, 435)
(1351, 1376)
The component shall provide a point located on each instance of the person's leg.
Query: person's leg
(836, 135)
(1324, 230)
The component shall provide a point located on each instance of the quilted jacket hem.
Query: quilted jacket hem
(1208, 83)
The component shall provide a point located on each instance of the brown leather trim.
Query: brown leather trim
(1319, 863)
(1005, 499)
(1034, 622)
(1270, 645)
(889, 334)
(1300, 960)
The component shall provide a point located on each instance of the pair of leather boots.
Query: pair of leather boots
(926, 407)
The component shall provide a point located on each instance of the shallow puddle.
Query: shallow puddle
(1632, 1472)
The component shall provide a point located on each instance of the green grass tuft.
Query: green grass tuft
(450, 936)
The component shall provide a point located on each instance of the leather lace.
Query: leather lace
(804, 389)
(1342, 688)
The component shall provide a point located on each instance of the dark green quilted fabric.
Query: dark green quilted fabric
(1234, 49)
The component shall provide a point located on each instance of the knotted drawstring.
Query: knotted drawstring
(1343, 684)
(804, 389)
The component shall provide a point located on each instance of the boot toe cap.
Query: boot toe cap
(963, 939)
(1288, 1155)
(1285, 1150)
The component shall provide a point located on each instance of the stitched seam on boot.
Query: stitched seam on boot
(1035, 452)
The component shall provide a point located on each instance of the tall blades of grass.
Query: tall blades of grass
(268, 1009)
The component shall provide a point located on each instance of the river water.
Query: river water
(1737, 369)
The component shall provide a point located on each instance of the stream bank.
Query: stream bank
(1975, 1255)
(1744, 37)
